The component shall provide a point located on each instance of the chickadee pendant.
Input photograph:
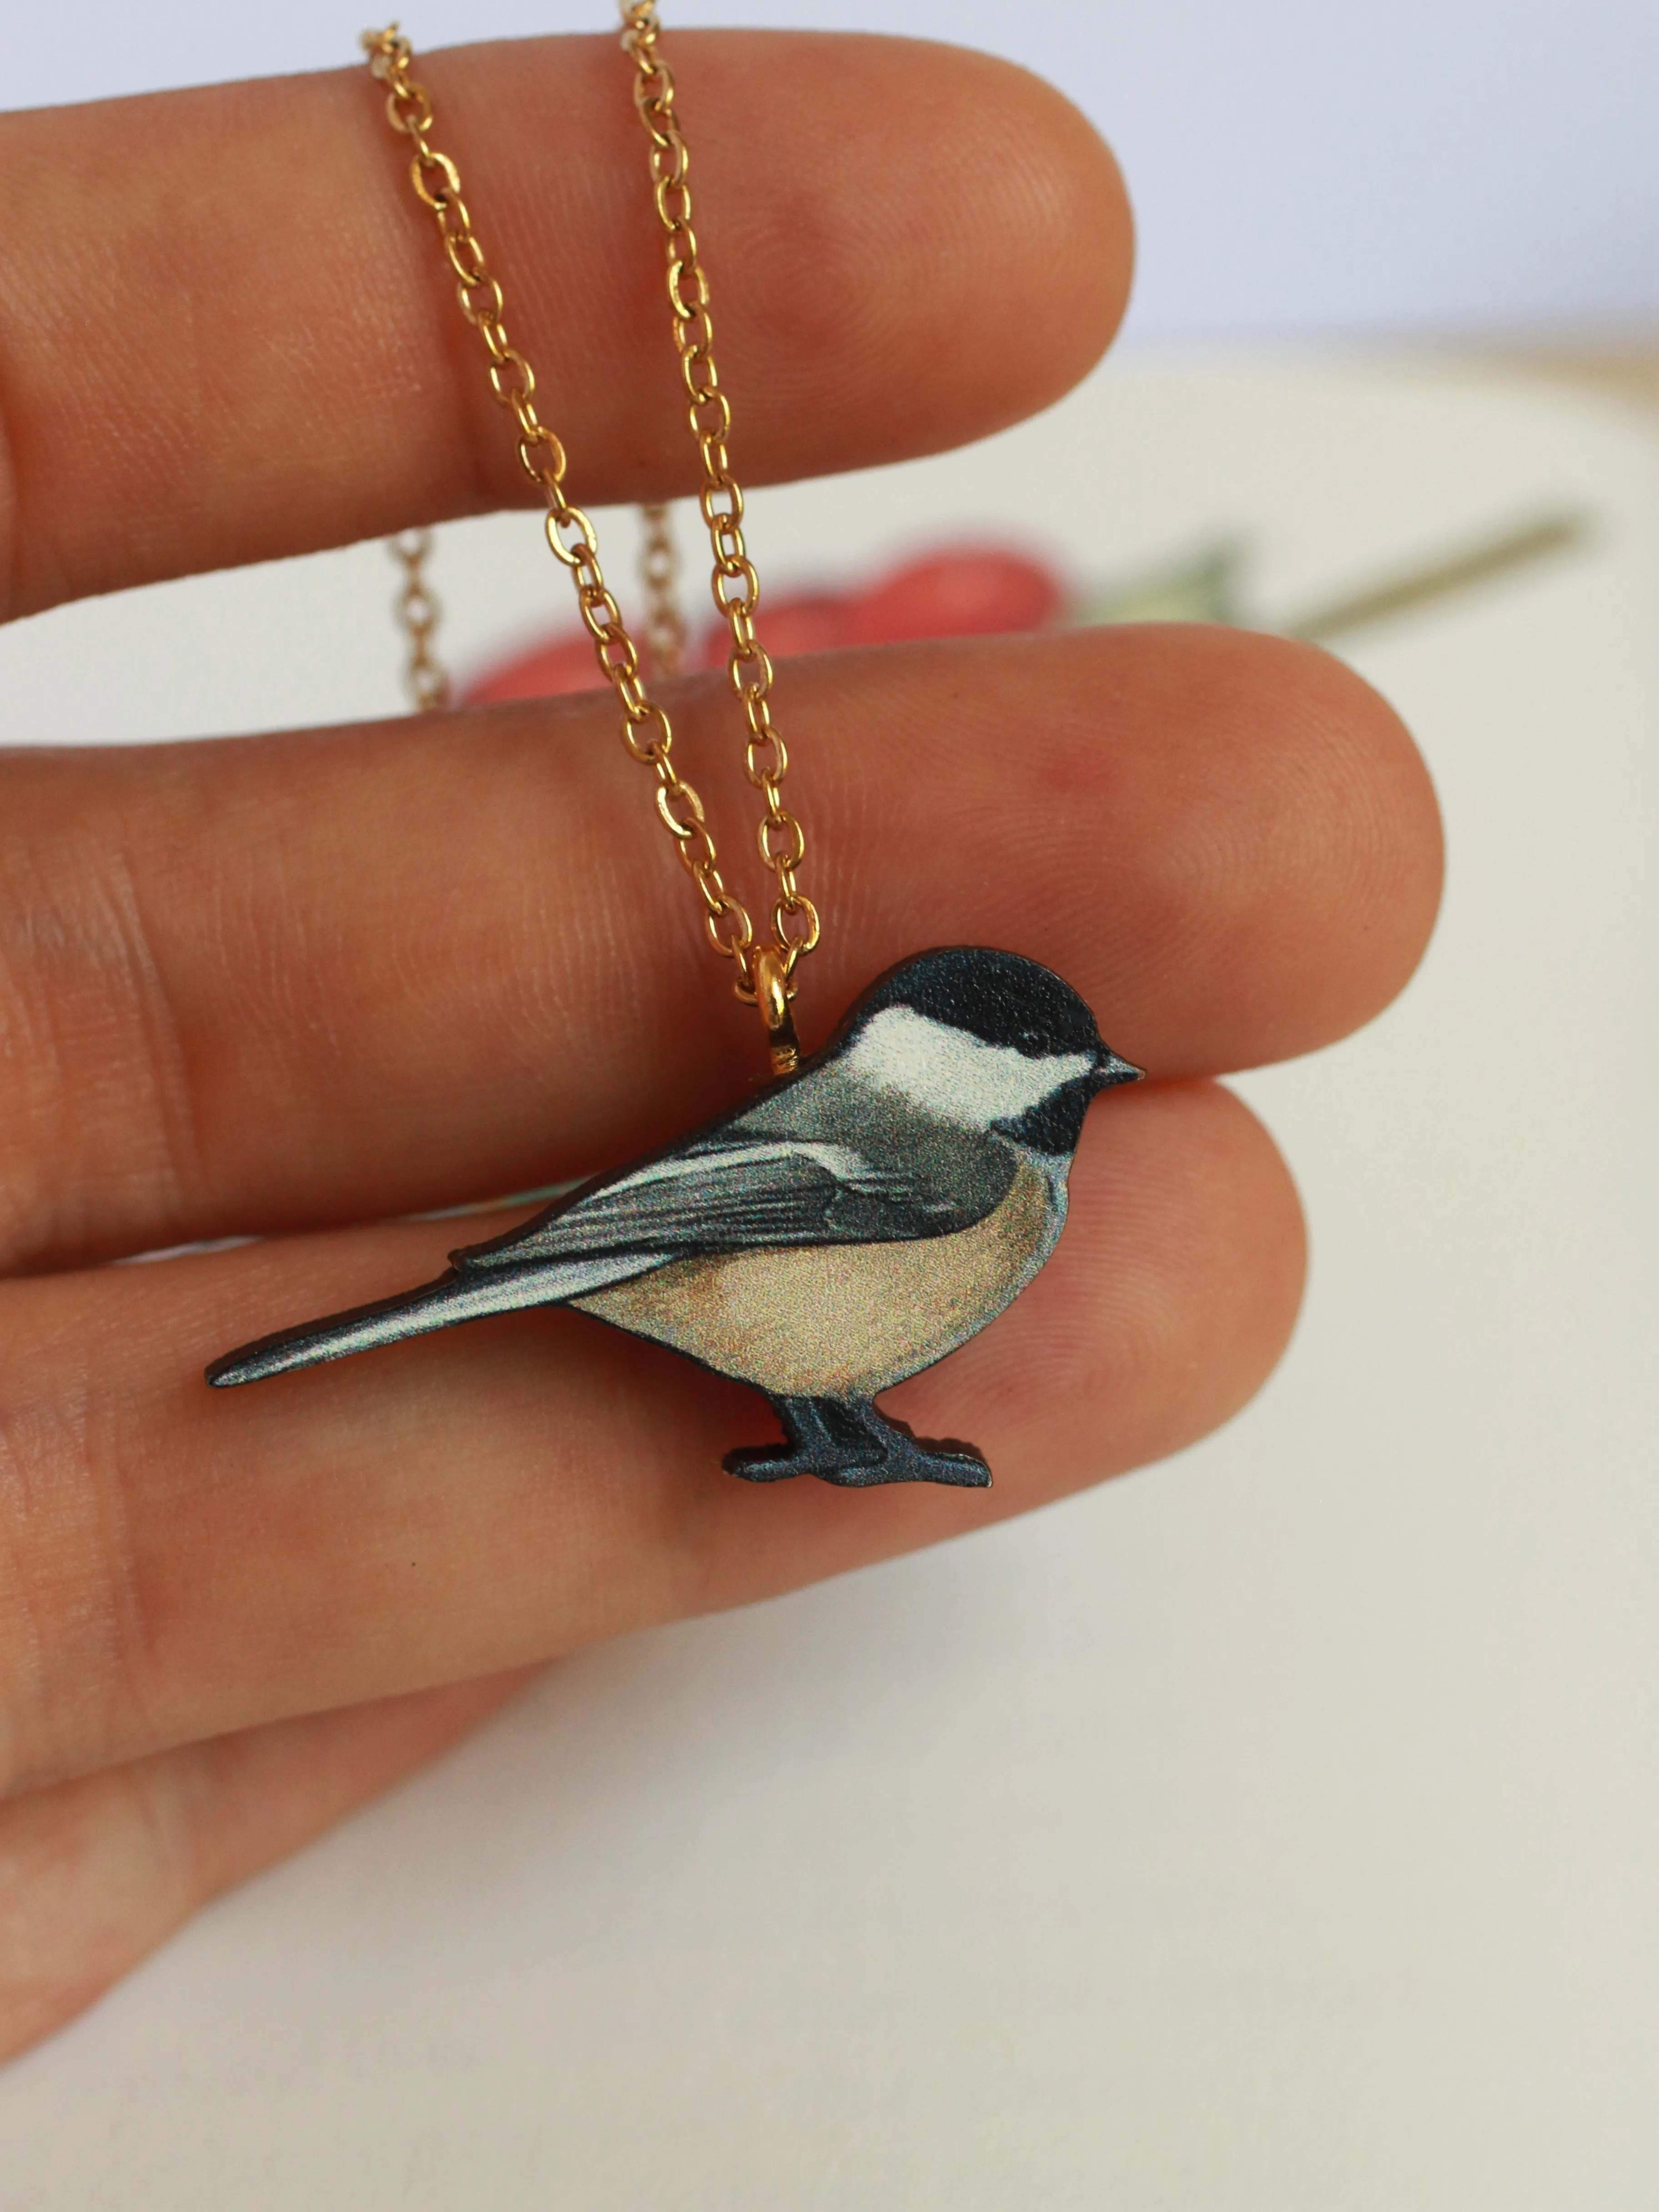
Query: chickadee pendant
(848, 1226)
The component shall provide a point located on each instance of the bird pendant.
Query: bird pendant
(846, 1227)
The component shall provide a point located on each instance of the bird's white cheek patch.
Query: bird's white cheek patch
(954, 1075)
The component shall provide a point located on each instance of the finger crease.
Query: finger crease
(163, 1031)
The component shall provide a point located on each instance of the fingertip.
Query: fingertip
(1295, 877)
(1179, 1279)
(996, 186)
(1376, 868)
(1064, 197)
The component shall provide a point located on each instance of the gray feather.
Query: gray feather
(453, 1298)
(739, 1194)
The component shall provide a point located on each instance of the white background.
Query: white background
(1317, 165)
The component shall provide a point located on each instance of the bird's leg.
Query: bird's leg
(847, 1442)
(822, 1437)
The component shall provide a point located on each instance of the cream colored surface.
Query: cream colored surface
(1274, 1832)
(839, 1319)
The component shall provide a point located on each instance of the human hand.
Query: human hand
(289, 985)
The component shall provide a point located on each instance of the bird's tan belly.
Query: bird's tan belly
(838, 1320)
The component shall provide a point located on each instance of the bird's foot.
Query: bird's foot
(822, 1436)
(852, 1445)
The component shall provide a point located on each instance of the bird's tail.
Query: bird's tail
(460, 1295)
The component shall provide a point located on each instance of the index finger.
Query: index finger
(226, 332)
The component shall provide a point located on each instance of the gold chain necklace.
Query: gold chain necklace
(875, 1205)
(765, 972)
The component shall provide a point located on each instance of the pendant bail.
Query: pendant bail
(772, 997)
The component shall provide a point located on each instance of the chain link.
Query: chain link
(417, 610)
(570, 534)
(736, 587)
(659, 570)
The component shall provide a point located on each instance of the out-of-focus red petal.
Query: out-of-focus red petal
(968, 591)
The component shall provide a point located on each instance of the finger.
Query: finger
(95, 1873)
(480, 1499)
(227, 331)
(282, 983)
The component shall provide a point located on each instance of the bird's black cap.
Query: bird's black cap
(1000, 997)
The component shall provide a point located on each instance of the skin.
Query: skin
(292, 985)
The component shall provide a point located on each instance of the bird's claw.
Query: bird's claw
(855, 1447)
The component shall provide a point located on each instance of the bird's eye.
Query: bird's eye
(1030, 1041)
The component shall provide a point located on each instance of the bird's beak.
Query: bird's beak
(1109, 1069)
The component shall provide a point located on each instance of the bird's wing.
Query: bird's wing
(734, 1194)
